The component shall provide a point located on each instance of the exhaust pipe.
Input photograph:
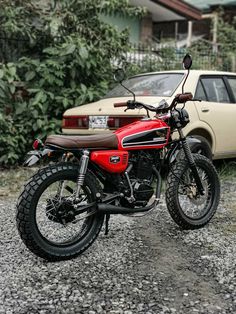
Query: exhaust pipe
(112, 209)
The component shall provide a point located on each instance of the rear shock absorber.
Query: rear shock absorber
(82, 171)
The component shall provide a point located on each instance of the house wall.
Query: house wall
(203, 27)
(121, 22)
(146, 28)
(167, 29)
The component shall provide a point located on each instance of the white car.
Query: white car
(213, 120)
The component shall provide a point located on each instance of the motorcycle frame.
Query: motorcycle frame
(104, 205)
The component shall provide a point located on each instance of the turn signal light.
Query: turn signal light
(37, 144)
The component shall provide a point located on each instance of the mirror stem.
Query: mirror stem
(185, 81)
(128, 89)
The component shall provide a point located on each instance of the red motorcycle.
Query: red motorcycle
(63, 206)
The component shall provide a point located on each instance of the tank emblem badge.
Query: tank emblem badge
(114, 159)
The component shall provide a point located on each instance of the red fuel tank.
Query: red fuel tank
(143, 134)
(113, 161)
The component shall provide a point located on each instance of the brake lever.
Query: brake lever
(130, 105)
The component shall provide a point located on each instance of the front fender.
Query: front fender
(177, 147)
(34, 156)
(192, 139)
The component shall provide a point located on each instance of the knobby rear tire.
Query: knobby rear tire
(172, 192)
(26, 213)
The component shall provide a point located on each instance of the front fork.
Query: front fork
(192, 164)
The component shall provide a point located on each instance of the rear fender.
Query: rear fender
(34, 156)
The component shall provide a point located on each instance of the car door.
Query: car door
(218, 110)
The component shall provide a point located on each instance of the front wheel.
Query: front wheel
(46, 217)
(188, 208)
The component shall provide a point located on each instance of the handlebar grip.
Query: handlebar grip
(184, 97)
(120, 104)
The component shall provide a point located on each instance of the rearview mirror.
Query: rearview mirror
(187, 62)
(119, 75)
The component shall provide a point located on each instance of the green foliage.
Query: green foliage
(203, 54)
(226, 169)
(221, 56)
(226, 34)
(19, 18)
(170, 58)
(73, 67)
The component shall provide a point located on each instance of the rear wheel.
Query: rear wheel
(187, 207)
(46, 217)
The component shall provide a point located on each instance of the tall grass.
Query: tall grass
(226, 169)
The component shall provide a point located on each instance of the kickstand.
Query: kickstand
(106, 224)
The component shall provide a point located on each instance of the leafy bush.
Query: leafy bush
(74, 66)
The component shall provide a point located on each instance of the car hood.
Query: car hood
(105, 106)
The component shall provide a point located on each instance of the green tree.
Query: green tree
(226, 34)
(74, 65)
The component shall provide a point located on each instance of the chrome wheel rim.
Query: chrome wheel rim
(49, 223)
(194, 205)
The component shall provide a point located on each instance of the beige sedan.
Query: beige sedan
(213, 120)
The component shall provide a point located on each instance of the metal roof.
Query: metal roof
(206, 4)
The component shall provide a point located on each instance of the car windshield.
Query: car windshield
(163, 84)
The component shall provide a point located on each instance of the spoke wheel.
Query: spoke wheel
(188, 208)
(46, 217)
(193, 204)
(55, 213)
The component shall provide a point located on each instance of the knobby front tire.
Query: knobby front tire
(187, 208)
(38, 240)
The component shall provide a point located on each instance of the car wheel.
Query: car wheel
(202, 148)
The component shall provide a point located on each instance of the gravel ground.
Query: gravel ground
(145, 265)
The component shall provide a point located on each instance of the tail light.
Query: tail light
(75, 122)
(82, 122)
(118, 122)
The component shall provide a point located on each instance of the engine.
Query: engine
(142, 192)
(138, 187)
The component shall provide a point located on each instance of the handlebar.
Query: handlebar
(179, 99)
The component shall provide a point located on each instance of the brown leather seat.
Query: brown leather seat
(88, 141)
